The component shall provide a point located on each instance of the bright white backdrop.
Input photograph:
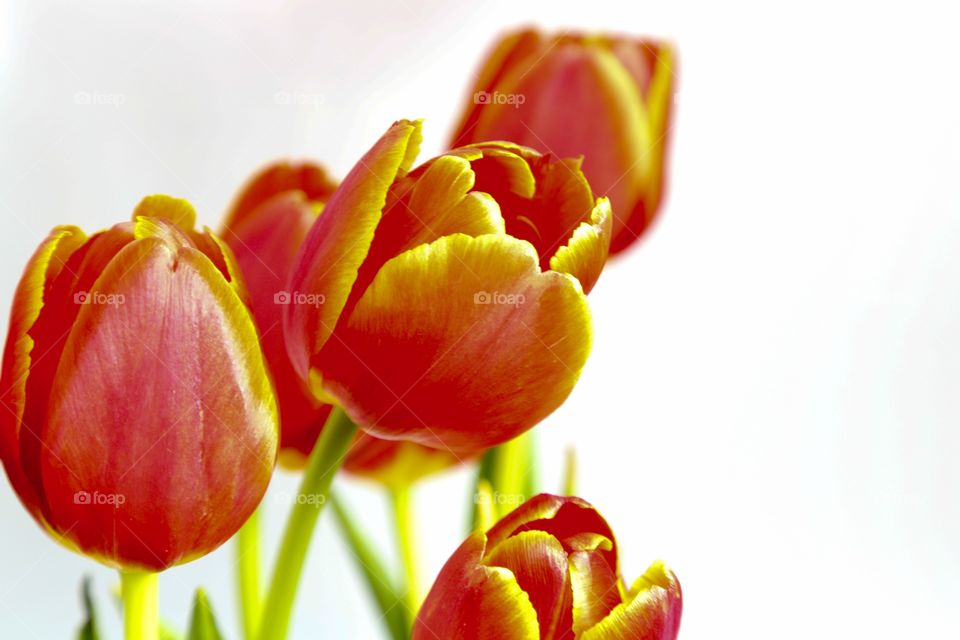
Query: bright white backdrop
(772, 401)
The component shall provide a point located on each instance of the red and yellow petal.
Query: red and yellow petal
(338, 243)
(21, 352)
(490, 345)
(515, 50)
(595, 586)
(652, 611)
(437, 202)
(307, 178)
(585, 255)
(470, 601)
(538, 562)
(192, 436)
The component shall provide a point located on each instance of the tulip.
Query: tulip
(606, 98)
(548, 570)
(452, 297)
(140, 426)
(265, 228)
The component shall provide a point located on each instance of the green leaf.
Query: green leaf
(203, 625)
(393, 612)
(89, 630)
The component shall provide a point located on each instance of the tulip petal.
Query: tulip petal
(585, 255)
(177, 210)
(21, 352)
(659, 88)
(338, 243)
(470, 601)
(65, 296)
(514, 50)
(595, 586)
(202, 452)
(652, 613)
(437, 202)
(469, 318)
(539, 564)
(310, 179)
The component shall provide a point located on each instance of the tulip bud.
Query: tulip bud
(608, 99)
(454, 309)
(140, 425)
(265, 228)
(548, 571)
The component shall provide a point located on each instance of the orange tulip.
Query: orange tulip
(448, 301)
(265, 228)
(606, 98)
(548, 571)
(140, 426)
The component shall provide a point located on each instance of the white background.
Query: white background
(772, 400)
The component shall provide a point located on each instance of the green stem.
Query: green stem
(402, 499)
(248, 564)
(327, 457)
(140, 591)
(379, 582)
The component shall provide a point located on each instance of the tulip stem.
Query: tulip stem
(140, 591)
(248, 564)
(402, 499)
(327, 457)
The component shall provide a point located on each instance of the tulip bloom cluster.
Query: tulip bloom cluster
(399, 322)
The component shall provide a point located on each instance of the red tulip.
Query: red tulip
(548, 571)
(265, 228)
(140, 426)
(606, 98)
(451, 298)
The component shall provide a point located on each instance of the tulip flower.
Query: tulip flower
(606, 98)
(265, 228)
(449, 302)
(548, 570)
(140, 425)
